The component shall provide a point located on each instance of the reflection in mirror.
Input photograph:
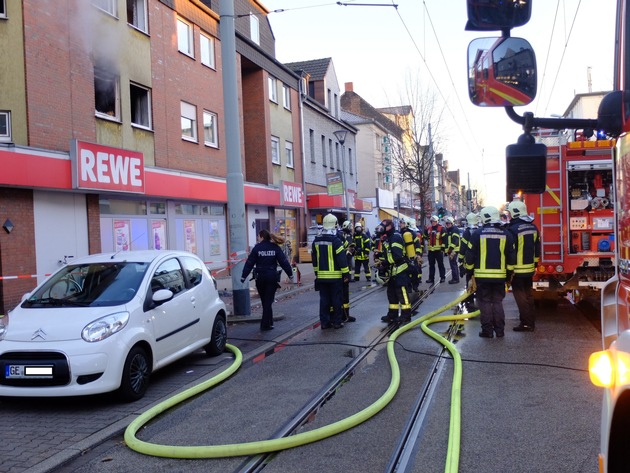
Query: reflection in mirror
(501, 72)
(484, 15)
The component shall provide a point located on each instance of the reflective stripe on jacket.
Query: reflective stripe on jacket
(362, 246)
(491, 254)
(527, 244)
(394, 248)
(329, 258)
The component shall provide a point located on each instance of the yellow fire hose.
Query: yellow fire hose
(273, 445)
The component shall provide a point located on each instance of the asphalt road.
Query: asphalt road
(527, 403)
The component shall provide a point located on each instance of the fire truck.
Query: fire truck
(588, 228)
(575, 218)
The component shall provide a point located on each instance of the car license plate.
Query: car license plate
(28, 371)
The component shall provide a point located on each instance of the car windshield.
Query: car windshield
(90, 285)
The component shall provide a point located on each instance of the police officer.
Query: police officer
(434, 236)
(394, 258)
(527, 244)
(490, 256)
(362, 247)
(266, 256)
(452, 240)
(409, 237)
(330, 265)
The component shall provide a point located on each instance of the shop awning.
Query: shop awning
(393, 213)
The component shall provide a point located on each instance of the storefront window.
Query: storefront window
(122, 207)
(157, 208)
(285, 226)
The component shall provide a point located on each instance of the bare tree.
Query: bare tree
(414, 159)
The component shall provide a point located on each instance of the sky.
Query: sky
(380, 48)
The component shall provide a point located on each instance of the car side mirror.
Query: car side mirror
(161, 296)
(501, 72)
(495, 15)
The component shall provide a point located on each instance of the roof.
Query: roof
(316, 68)
(354, 103)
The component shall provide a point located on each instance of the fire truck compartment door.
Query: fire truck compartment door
(589, 165)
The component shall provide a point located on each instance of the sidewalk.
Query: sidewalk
(224, 285)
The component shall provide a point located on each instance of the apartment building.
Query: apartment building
(112, 132)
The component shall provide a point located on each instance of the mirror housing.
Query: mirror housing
(501, 72)
(526, 166)
(496, 15)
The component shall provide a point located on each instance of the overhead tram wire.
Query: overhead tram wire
(566, 44)
(553, 29)
(476, 145)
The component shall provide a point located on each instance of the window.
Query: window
(275, 150)
(324, 151)
(108, 6)
(286, 97)
(140, 98)
(311, 138)
(288, 148)
(350, 160)
(254, 28)
(185, 38)
(5, 125)
(210, 136)
(338, 156)
(207, 50)
(189, 121)
(273, 89)
(137, 14)
(3, 9)
(193, 270)
(330, 154)
(106, 94)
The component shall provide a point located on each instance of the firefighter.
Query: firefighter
(434, 236)
(419, 247)
(330, 265)
(409, 237)
(472, 223)
(490, 256)
(362, 247)
(395, 261)
(527, 245)
(452, 240)
(345, 235)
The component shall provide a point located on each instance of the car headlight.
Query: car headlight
(4, 325)
(104, 327)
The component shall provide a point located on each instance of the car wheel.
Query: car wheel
(219, 337)
(135, 377)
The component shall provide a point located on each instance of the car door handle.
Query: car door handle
(192, 299)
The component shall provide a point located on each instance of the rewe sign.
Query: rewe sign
(291, 194)
(104, 168)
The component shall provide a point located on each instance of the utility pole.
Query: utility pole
(237, 220)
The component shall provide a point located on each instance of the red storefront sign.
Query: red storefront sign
(99, 167)
(292, 194)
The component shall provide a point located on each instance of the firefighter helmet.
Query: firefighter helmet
(330, 222)
(517, 209)
(449, 220)
(489, 215)
(379, 230)
(434, 218)
(358, 226)
(472, 219)
(346, 225)
(381, 276)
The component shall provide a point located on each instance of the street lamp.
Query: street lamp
(341, 138)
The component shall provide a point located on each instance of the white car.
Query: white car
(106, 322)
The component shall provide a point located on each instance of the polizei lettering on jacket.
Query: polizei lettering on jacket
(267, 253)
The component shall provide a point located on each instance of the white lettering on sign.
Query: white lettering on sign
(102, 167)
(292, 194)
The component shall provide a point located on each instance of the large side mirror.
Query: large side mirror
(489, 15)
(501, 72)
(526, 166)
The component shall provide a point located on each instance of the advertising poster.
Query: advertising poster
(122, 235)
(215, 240)
(190, 236)
(159, 234)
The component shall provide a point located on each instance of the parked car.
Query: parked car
(105, 322)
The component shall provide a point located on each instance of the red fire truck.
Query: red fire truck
(575, 218)
(528, 167)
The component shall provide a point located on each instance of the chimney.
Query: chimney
(349, 87)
